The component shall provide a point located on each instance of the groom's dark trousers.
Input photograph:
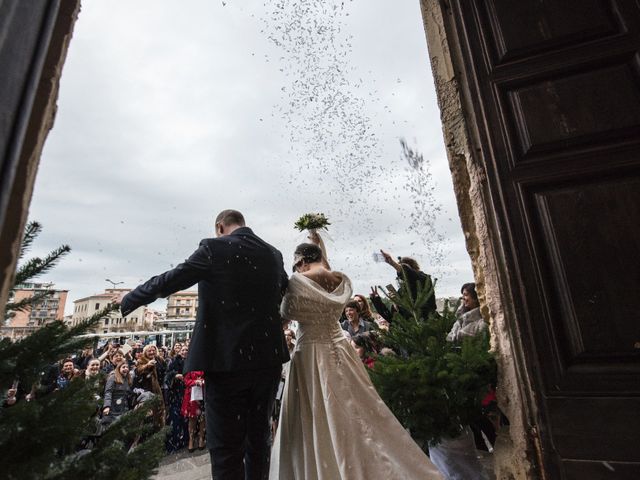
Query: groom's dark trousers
(238, 411)
(237, 341)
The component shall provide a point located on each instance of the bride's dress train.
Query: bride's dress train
(333, 425)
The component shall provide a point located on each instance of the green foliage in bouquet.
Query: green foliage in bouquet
(432, 386)
(312, 221)
(40, 438)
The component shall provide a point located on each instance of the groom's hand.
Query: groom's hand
(117, 299)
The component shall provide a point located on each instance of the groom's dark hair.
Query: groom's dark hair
(230, 217)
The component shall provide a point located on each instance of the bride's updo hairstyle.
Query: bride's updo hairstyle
(306, 252)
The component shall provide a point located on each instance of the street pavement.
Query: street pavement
(196, 466)
(185, 466)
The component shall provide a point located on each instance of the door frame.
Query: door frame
(34, 113)
(520, 453)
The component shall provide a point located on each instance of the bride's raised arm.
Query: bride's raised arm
(315, 237)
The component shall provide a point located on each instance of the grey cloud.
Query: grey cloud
(169, 114)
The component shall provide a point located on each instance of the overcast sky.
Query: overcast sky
(172, 111)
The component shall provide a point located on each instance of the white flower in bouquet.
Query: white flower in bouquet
(312, 222)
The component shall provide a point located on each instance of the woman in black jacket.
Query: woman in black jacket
(409, 276)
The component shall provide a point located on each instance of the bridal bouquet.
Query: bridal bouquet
(312, 222)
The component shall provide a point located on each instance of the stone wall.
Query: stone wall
(516, 452)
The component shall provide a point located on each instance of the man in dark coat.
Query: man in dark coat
(237, 340)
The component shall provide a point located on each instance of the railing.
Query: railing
(161, 336)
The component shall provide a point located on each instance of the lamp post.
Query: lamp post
(113, 283)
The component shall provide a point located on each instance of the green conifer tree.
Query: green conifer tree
(432, 386)
(39, 438)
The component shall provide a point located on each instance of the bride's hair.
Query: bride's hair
(308, 252)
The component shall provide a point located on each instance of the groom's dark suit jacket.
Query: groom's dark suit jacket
(241, 281)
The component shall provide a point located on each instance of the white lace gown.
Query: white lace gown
(333, 425)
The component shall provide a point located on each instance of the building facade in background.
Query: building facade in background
(51, 309)
(143, 318)
(181, 310)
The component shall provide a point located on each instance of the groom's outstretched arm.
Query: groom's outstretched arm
(194, 269)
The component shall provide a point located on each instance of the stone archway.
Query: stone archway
(514, 451)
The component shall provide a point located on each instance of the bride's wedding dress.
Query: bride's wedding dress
(333, 425)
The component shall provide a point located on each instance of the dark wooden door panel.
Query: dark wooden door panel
(555, 90)
(581, 470)
(576, 109)
(595, 428)
(546, 26)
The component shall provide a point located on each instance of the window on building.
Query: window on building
(97, 306)
(106, 321)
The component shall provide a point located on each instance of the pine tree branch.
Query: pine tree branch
(39, 438)
(38, 266)
(31, 231)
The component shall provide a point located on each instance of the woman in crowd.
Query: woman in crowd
(456, 457)
(114, 358)
(365, 310)
(117, 393)
(409, 277)
(175, 351)
(163, 353)
(67, 373)
(135, 355)
(175, 394)
(93, 369)
(469, 321)
(149, 372)
(194, 409)
(93, 376)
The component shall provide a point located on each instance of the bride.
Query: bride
(333, 425)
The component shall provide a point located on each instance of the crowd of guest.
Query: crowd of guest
(126, 376)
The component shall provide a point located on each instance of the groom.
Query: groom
(237, 340)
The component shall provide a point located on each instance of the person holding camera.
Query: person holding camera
(409, 276)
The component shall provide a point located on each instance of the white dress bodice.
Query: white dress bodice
(316, 310)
